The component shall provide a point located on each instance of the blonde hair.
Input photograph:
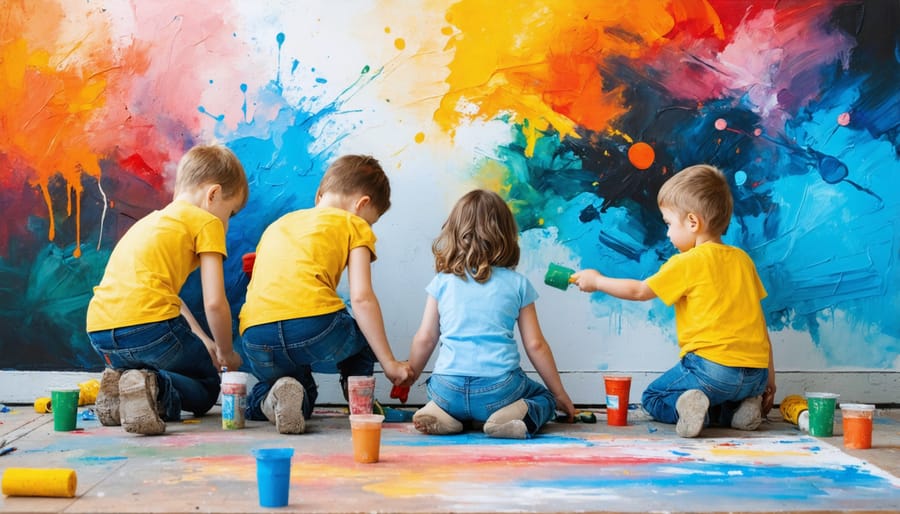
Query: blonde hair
(479, 233)
(700, 189)
(212, 164)
(358, 174)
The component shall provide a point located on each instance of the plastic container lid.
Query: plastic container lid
(857, 406)
(821, 395)
(234, 377)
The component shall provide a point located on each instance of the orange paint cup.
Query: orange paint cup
(857, 422)
(618, 388)
(366, 433)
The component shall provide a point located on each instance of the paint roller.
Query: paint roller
(56, 482)
(558, 276)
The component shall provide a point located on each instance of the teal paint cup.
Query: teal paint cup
(558, 276)
(273, 475)
(821, 413)
(64, 403)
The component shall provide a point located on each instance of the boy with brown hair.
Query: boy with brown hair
(726, 375)
(159, 361)
(293, 321)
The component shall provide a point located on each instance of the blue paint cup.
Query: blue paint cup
(273, 475)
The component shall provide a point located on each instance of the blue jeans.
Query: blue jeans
(725, 387)
(186, 376)
(330, 343)
(476, 398)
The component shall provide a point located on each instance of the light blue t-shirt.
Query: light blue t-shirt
(477, 322)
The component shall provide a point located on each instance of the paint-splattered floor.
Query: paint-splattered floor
(198, 467)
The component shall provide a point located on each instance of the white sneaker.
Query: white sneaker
(284, 406)
(508, 422)
(748, 415)
(432, 419)
(137, 403)
(107, 403)
(691, 406)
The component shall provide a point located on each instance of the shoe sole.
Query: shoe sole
(691, 407)
(514, 429)
(748, 415)
(289, 407)
(137, 403)
(106, 405)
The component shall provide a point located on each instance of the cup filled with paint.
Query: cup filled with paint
(618, 389)
(234, 399)
(558, 276)
(273, 475)
(361, 393)
(857, 424)
(64, 404)
(365, 430)
(821, 413)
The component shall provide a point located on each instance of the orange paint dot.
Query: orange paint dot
(420, 137)
(641, 155)
(400, 43)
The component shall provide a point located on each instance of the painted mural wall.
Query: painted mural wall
(575, 111)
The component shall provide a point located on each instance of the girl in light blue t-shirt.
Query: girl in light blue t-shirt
(474, 303)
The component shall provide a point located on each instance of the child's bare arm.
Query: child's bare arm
(425, 340)
(769, 394)
(218, 312)
(367, 312)
(589, 280)
(541, 358)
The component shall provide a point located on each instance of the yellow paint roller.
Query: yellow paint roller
(57, 482)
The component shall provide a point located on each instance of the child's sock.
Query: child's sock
(137, 403)
(691, 406)
(432, 419)
(107, 403)
(284, 406)
(748, 415)
(508, 422)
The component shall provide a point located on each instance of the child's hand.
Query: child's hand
(585, 280)
(232, 360)
(564, 404)
(398, 372)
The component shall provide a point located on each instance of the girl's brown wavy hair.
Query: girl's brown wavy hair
(480, 232)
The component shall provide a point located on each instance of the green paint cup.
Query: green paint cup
(65, 409)
(558, 276)
(821, 413)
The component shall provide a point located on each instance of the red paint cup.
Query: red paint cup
(618, 388)
(361, 394)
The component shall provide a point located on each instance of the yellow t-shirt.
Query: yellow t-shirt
(717, 294)
(299, 262)
(149, 265)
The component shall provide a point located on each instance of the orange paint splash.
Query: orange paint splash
(542, 62)
(641, 155)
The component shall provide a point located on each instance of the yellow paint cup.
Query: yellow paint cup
(57, 482)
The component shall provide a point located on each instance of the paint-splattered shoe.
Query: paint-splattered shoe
(748, 415)
(433, 420)
(137, 403)
(284, 406)
(508, 422)
(691, 406)
(107, 403)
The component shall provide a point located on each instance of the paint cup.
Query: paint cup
(558, 276)
(857, 422)
(64, 403)
(247, 262)
(234, 399)
(618, 388)
(273, 475)
(55, 482)
(821, 413)
(365, 430)
(360, 394)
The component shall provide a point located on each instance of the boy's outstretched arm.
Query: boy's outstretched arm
(425, 340)
(367, 312)
(589, 281)
(541, 358)
(218, 312)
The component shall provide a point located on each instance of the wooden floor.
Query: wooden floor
(644, 467)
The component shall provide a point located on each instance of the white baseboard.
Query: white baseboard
(585, 388)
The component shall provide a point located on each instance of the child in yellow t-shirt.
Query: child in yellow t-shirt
(726, 375)
(293, 320)
(159, 360)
